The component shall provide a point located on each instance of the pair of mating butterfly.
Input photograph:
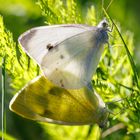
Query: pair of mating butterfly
(68, 56)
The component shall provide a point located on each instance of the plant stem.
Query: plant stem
(3, 100)
(132, 63)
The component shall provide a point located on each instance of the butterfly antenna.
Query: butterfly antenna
(109, 4)
(122, 110)
(115, 114)
(103, 7)
(116, 101)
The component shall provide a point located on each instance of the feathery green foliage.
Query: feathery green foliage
(17, 61)
(58, 12)
(113, 79)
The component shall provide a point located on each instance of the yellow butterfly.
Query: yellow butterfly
(43, 101)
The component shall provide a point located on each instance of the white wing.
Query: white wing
(68, 54)
(35, 41)
(71, 63)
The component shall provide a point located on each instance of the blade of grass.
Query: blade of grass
(7, 136)
(3, 100)
(127, 51)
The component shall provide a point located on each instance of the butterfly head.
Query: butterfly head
(103, 24)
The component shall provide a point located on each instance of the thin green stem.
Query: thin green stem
(3, 100)
(127, 51)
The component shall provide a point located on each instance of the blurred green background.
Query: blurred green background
(20, 15)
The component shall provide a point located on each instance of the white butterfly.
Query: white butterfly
(67, 54)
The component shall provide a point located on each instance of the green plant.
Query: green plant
(114, 78)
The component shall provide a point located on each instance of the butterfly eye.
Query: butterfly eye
(103, 24)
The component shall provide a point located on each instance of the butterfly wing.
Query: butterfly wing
(36, 41)
(43, 101)
(71, 62)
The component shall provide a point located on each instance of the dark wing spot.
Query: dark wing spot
(61, 56)
(56, 91)
(49, 47)
(46, 113)
(61, 83)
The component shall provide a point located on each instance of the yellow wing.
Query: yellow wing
(41, 100)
